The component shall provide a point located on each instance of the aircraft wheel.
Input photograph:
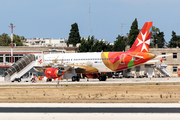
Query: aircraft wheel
(19, 80)
(48, 80)
(73, 78)
(78, 78)
(102, 78)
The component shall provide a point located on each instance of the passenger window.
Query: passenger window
(174, 69)
(164, 56)
(174, 55)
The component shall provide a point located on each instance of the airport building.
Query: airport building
(45, 42)
(169, 66)
(20, 51)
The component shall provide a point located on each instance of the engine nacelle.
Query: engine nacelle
(53, 73)
(93, 75)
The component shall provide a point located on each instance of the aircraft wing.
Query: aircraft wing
(70, 67)
(84, 69)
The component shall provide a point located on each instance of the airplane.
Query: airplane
(68, 65)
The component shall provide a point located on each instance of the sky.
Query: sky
(53, 18)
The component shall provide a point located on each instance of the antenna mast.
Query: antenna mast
(90, 29)
(122, 29)
(177, 28)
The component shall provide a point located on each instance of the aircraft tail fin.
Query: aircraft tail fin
(142, 41)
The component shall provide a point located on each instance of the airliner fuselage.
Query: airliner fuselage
(99, 61)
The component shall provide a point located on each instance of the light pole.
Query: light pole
(11, 26)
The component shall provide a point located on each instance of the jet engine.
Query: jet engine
(101, 77)
(53, 73)
(93, 75)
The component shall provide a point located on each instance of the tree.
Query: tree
(158, 38)
(133, 33)
(96, 47)
(154, 32)
(83, 46)
(74, 36)
(108, 48)
(86, 45)
(5, 40)
(17, 40)
(175, 41)
(119, 44)
(92, 45)
(22, 37)
(101, 46)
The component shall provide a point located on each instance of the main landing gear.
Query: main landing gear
(102, 78)
(75, 78)
(48, 80)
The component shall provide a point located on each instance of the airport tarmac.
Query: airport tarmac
(90, 116)
(92, 105)
(136, 110)
(93, 91)
(96, 81)
(115, 111)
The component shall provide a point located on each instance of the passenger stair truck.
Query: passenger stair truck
(162, 69)
(22, 66)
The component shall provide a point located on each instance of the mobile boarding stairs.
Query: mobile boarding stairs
(22, 66)
(162, 69)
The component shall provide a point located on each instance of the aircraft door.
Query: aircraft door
(39, 59)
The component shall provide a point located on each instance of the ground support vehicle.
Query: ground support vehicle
(117, 75)
(28, 77)
(141, 74)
